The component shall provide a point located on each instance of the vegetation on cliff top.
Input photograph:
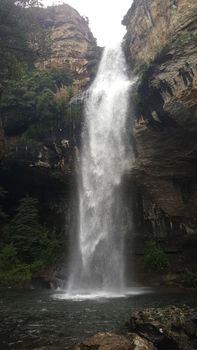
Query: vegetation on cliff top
(37, 102)
(29, 99)
(21, 42)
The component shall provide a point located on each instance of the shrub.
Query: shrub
(11, 270)
(8, 257)
(17, 275)
(3, 215)
(38, 97)
(190, 278)
(155, 258)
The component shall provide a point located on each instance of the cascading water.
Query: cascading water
(99, 262)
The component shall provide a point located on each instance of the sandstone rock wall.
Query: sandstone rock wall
(161, 44)
(73, 46)
(152, 24)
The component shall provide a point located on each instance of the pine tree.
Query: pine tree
(3, 215)
(33, 241)
(26, 230)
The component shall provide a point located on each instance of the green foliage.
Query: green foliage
(25, 229)
(8, 257)
(11, 270)
(33, 91)
(155, 258)
(18, 275)
(73, 114)
(34, 103)
(190, 278)
(30, 238)
(32, 246)
(17, 27)
(3, 215)
(37, 132)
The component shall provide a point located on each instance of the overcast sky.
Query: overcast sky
(104, 16)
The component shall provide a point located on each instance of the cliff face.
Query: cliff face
(40, 128)
(153, 24)
(73, 50)
(160, 46)
(73, 46)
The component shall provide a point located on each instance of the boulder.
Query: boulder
(111, 341)
(170, 328)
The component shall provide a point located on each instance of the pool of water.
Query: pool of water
(35, 319)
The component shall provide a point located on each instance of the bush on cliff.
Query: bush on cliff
(35, 105)
(32, 96)
(155, 259)
(189, 278)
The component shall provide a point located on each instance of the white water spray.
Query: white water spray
(99, 262)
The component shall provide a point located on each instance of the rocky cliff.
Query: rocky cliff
(160, 46)
(74, 52)
(153, 24)
(40, 128)
(73, 46)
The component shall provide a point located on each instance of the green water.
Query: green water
(34, 319)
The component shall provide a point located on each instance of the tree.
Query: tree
(30, 247)
(21, 37)
(25, 229)
(3, 215)
(32, 240)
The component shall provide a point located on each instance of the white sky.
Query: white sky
(104, 17)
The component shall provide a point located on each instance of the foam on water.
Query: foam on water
(96, 295)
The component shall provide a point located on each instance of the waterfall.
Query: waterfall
(99, 260)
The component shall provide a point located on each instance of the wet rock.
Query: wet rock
(110, 341)
(172, 328)
(139, 343)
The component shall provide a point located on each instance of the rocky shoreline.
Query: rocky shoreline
(168, 328)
